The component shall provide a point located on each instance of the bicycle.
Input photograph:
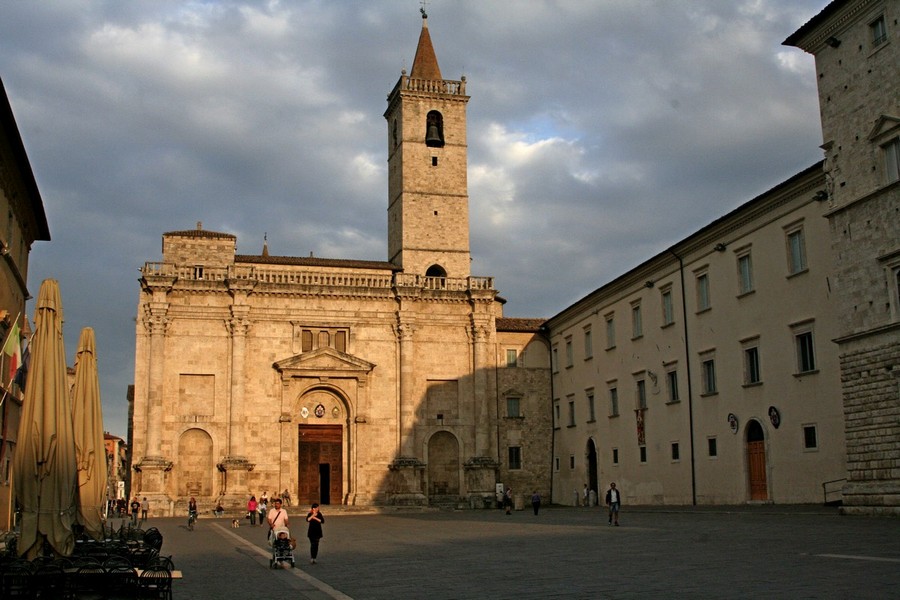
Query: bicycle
(192, 516)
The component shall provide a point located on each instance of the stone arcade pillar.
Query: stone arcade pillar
(407, 471)
(153, 466)
(481, 470)
(235, 465)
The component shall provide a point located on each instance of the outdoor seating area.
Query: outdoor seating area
(125, 565)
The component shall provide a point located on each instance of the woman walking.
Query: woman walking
(251, 510)
(314, 533)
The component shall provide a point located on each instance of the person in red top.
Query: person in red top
(251, 509)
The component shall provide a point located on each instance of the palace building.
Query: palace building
(352, 382)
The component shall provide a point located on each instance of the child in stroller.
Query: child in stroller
(282, 549)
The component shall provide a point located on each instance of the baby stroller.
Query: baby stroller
(282, 548)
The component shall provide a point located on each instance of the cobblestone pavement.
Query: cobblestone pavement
(565, 552)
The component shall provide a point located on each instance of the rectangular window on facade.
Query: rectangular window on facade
(571, 461)
(891, 152)
(591, 410)
(643, 451)
(615, 456)
(513, 407)
(613, 402)
(711, 447)
(556, 420)
(588, 344)
(672, 386)
(554, 359)
(708, 373)
(556, 463)
(703, 299)
(512, 357)
(810, 437)
(571, 413)
(515, 458)
(879, 31)
(806, 356)
(306, 340)
(340, 341)
(570, 358)
(745, 274)
(637, 325)
(610, 331)
(641, 393)
(751, 365)
(668, 310)
(796, 251)
(676, 456)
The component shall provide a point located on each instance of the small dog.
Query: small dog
(235, 523)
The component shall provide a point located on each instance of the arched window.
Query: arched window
(436, 277)
(434, 130)
(435, 271)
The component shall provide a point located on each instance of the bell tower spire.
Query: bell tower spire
(428, 201)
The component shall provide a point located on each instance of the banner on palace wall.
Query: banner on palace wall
(639, 417)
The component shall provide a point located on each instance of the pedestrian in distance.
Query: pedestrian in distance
(536, 502)
(613, 501)
(135, 510)
(586, 496)
(145, 508)
(314, 532)
(507, 501)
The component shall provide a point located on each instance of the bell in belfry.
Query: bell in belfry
(433, 136)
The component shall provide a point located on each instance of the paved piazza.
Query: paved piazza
(752, 552)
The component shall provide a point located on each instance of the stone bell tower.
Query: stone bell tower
(428, 203)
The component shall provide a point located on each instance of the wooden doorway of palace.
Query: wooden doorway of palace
(756, 461)
(320, 474)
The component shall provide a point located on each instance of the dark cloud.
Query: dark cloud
(599, 133)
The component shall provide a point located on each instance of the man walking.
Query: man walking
(613, 501)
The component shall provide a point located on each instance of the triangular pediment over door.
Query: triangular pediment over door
(326, 362)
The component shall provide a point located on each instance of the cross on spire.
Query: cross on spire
(424, 4)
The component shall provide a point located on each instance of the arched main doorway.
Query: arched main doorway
(756, 461)
(593, 475)
(320, 464)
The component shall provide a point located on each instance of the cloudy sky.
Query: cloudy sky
(600, 132)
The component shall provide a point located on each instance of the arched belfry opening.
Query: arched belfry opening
(436, 271)
(436, 277)
(434, 130)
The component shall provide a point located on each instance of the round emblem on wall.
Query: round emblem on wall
(304, 412)
(774, 416)
(320, 411)
(335, 412)
(733, 422)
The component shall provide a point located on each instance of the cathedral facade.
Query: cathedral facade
(351, 382)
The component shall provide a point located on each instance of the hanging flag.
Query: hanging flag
(13, 350)
(22, 371)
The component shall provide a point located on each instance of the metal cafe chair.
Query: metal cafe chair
(155, 582)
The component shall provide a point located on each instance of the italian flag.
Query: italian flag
(13, 349)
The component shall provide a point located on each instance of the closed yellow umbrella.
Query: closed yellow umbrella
(90, 453)
(44, 464)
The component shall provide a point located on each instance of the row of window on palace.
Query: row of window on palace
(752, 376)
(808, 431)
(796, 263)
